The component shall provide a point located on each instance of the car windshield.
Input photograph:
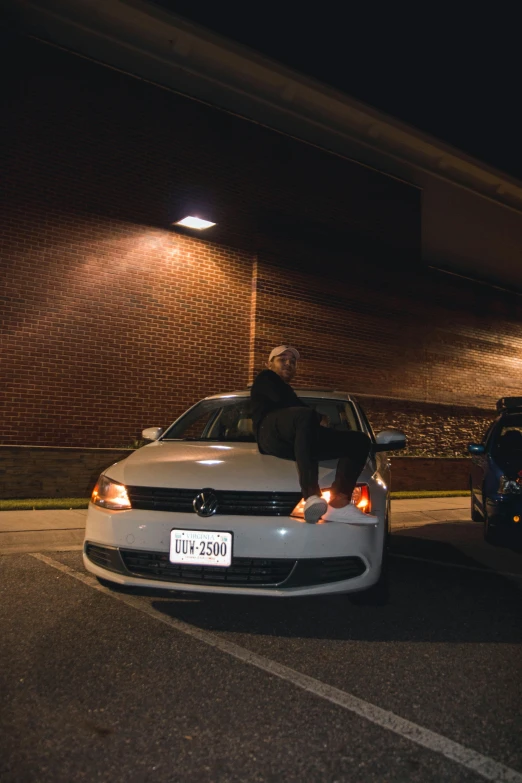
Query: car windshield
(508, 440)
(231, 419)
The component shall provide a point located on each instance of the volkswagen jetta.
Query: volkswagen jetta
(199, 508)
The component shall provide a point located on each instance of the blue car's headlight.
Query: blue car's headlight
(509, 486)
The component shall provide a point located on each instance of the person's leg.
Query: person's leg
(292, 433)
(352, 449)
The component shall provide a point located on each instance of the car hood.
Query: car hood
(196, 465)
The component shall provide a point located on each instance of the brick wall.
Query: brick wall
(445, 348)
(40, 472)
(410, 474)
(431, 430)
(107, 335)
(112, 322)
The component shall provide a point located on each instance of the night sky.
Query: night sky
(453, 75)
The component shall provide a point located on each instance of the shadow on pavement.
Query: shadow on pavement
(429, 602)
(442, 542)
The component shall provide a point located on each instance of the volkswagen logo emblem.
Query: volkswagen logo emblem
(205, 503)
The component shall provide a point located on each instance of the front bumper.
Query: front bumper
(319, 559)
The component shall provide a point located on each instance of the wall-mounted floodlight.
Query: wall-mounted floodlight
(194, 222)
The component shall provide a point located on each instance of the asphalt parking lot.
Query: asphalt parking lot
(111, 686)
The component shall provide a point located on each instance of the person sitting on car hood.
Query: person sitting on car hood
(285, 427)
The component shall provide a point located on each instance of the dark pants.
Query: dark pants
(294, 433)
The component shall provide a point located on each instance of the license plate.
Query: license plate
(201, 547)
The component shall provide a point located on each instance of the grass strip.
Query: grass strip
(42, 504)
(431, 493)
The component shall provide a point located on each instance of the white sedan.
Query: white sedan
(200, 509)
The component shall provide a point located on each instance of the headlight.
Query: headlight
(110, 494)
(360, 497)
(509, 486)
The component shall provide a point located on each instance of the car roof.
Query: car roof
(510, 414)
(324, 394)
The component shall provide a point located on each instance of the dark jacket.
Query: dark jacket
(269, 392)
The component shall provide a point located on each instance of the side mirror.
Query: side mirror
(476, 448)
(390, 440)
(152, 433)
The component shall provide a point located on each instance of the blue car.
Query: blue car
(496, 476)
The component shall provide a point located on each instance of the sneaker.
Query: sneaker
(350, 515)
(314, 508)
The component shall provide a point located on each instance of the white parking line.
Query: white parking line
(484, 570)
(481, 765)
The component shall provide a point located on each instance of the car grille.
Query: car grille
(103, 556)
(243, 571)
(267, 504)
(321, 571)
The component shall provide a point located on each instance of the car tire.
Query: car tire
(379, 593)
(475, 513)
(490, 536)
